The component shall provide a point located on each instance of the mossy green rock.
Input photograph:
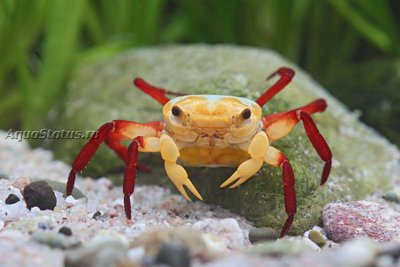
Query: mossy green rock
(100, 92)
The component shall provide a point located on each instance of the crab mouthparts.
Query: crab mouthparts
(210, 132)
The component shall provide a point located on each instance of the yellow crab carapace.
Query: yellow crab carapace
(212, 130)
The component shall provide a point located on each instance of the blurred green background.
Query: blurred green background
(351, 47)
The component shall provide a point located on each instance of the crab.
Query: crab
(212, 131)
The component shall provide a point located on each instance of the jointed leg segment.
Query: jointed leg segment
(275, 158)
(87, 152)
(278, 125)
(286, 76)
(130, 173)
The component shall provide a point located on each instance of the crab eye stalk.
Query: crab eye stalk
(176, 111)
(246, 113)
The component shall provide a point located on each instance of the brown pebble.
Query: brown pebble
(39, 194)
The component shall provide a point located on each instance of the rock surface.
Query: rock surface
(345, 221)
(102, 92)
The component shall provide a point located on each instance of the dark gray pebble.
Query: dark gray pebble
(65, 231)
(39, 194)
(11, 199)
(174, 255)
(392, 197)
(262, 234)
(96, 215)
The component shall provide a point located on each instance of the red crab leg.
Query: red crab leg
(113, 141)
(86, 153)
(130, 173)
(153, 91)
(318, 142)
(285, 123)
(118, 129)
(286, 75)
(318, 105)
(278, 159)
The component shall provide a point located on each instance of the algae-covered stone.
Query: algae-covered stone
(363, 162)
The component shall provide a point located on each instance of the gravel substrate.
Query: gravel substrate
(165, 230)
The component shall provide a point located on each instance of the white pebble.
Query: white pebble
(60, 199)
(136, 254)
(312, 245)
(110, 235)
(13, 235)
(360, 252)
(214, 244)
(228, 229)
(13, 212)
(70, 200)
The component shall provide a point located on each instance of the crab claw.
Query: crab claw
(245, 171)
(180, 178)
(257, 149)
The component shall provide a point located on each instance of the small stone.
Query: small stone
(96, 254)
(345, 221)
(228, 229)
(110, 235)
(21, 182)
(96, 215)
(55, 240)
(11, 199)
(317, 238)
(65, 231)
(136, 254)
(262, 234)
(39, 194)
(392, 197)
(13, 212)
(174, 255)
(280, 247)
(385, 261)
(358, 252)
(153, 239)
(391, 249)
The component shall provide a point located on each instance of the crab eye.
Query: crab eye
(246, 113)
(176, 111)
